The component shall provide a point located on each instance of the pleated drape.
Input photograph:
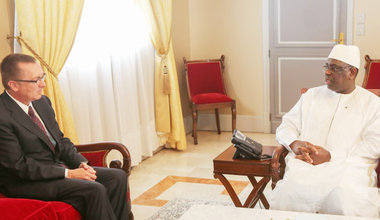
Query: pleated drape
(168, 110)
(49, 29)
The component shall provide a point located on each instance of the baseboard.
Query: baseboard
(246, 123)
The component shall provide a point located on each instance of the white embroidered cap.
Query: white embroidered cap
(349, 54)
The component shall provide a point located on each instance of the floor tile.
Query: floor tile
(170, 173)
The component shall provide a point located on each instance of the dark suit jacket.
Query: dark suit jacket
(25, 154)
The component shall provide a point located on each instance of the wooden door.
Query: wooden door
(301, 35)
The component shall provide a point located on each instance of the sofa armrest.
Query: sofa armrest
(103, 149)
(278, 164)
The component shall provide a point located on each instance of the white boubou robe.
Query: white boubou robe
(348, 126)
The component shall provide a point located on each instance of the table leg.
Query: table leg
(230, 190)
(257, 192)
(253, 197)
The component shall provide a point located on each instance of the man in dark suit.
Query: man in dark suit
(37, 161)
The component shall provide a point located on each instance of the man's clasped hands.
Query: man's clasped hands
(309, 152)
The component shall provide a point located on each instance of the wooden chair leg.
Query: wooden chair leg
(217, 120)
(233, 110)
(195, 120)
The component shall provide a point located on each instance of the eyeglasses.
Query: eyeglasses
(37, 81)
(334, 68)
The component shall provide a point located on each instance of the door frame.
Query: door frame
(266, 77)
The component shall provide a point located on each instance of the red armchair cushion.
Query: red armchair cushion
(205, 78)
(206, 98)
(26, 209)
(95, 158)
(65, 211)
(374, 76)
(30, 209)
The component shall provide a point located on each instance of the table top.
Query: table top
(225, 164)
(206, 212)
(226, 156)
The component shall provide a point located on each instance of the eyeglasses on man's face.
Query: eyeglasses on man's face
(38, 81)
(334, 68)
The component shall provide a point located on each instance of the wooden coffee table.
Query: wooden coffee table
(225, 164)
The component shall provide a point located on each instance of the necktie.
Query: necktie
(37, 121)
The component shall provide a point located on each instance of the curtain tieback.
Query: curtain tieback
(21, 41)
(165, 75)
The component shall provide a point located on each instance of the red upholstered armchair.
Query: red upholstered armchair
(28, 209)
(372, 73)
(205, 86)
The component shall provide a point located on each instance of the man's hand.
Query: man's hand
(322, 155)
(87, 167)
(84, 172)
(310, 153)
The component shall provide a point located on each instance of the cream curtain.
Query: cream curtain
(49, 28)
(168, 111)
(109, 88)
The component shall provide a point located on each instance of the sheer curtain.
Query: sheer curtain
(108, 79)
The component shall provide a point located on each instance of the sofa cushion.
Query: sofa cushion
(206, 98)
(96, 158)
(31, 209)
(26, 209)
(65, 211)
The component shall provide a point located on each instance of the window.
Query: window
(108, 79)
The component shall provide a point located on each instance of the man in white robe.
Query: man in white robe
(333, 138)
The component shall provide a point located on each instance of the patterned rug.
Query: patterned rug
(175, 208)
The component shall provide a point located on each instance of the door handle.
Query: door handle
(341, 38)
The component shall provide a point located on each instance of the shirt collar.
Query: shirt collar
(24, 107)
(351, 93)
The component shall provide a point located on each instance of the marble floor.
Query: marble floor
(170, 174)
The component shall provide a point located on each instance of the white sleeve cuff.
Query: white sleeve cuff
(66, 171)
(332, 155)
(286, 140)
